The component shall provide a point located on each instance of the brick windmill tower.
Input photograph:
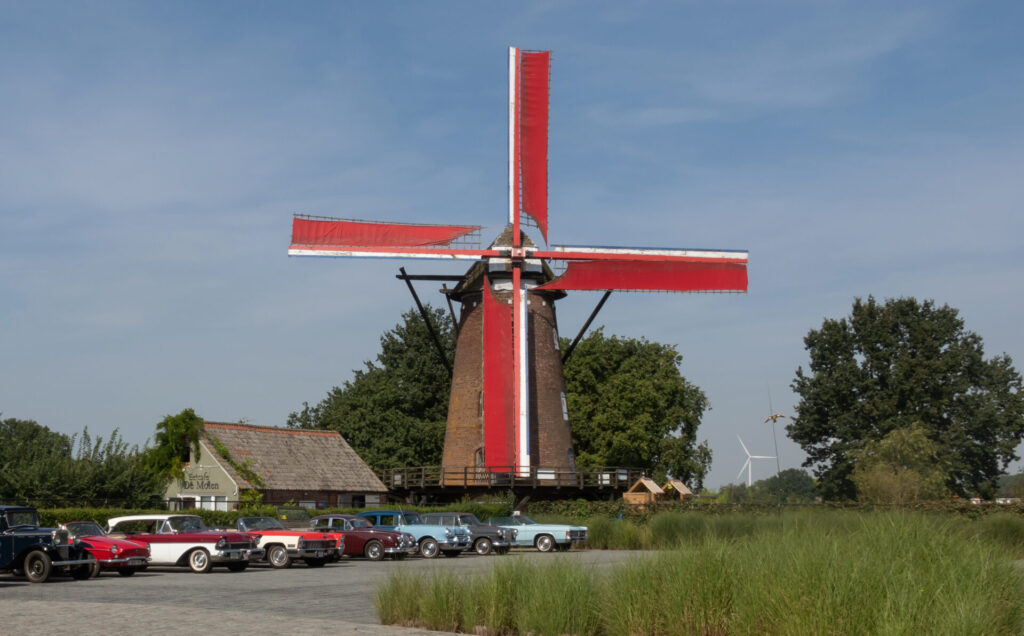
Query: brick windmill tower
(507, 412)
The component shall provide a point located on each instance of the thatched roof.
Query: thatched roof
(645, 483)
(677, 486)
(293, 459)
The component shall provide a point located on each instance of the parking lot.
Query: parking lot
(300, 600)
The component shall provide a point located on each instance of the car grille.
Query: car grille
(240, 545)
(319, 544)
(577, 534)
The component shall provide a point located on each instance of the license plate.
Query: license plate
(236, 555)
(319, 553)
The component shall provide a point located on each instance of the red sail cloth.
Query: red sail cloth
(320, 233)
(499, 405)
(682, 276)
(534, 88)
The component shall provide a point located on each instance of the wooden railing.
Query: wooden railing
(616, 478)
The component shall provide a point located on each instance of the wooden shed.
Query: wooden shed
(644, 491)
(675, 489)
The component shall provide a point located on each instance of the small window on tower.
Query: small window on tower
(565, 409)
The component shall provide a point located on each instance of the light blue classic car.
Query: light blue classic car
(432, 539)
(544, 536)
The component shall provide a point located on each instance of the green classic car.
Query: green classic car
(544, 536)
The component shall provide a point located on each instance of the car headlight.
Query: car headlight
(221, 543)
(114, 549)
(447, 532)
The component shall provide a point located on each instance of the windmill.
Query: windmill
(507, 411)
(748, 465)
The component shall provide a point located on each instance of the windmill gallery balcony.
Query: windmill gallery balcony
(444, 483)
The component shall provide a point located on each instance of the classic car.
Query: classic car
(485, 538)
(362, 539)
(120, 555)
(544, 536)
(182, 540)
(36, 552)
(432, 539)
(283, 545)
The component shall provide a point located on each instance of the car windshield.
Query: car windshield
(469, 520)
(22, 518)
(359, 522)
(185, 524)
(261, 523)
(84, 529)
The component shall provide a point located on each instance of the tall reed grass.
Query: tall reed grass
(802, 574)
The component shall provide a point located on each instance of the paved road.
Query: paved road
(337, 598)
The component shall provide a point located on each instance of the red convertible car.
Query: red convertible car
(120, 555)
(362, 539)
(184, 540)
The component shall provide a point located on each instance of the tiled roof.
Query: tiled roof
(294, 459)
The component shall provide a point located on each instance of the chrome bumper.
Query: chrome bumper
(231, 555)
(135, 561)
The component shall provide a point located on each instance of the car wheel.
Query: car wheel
(237, 567)
(86, 570)
(278, 557)
(316, 563)
(126, 571)
(373, 550)
(482, 546)
(428, 548)
(545, 543)
(199, 561)
(37, 566)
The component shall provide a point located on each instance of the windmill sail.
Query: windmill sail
(499, 399)
(531, 136)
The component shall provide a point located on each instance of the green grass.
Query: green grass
(834, 573)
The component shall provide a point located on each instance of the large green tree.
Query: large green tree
(393, 411)
(629, 405)
(889, 365)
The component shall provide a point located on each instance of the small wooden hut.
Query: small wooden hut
(675, 489)
(644, 491)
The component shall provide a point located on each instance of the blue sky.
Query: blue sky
(151, 156)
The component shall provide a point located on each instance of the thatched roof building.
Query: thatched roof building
(306, 467)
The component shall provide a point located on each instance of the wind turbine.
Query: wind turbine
(748, 465)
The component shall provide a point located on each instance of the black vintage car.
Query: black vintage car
(38, 552)
(486, 539)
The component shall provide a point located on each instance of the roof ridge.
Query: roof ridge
(234, 426)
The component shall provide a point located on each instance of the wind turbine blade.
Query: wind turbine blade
(762, 457)
(743, 468)
(744, 446)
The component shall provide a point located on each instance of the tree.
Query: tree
(37, 464)
(792, 485)
(175, 443)
(903, 467)
(887, 366)
(630, 406)
(393, 412)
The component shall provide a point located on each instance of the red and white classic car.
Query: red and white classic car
(283, 545)
(184, 540)
(120, 555)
